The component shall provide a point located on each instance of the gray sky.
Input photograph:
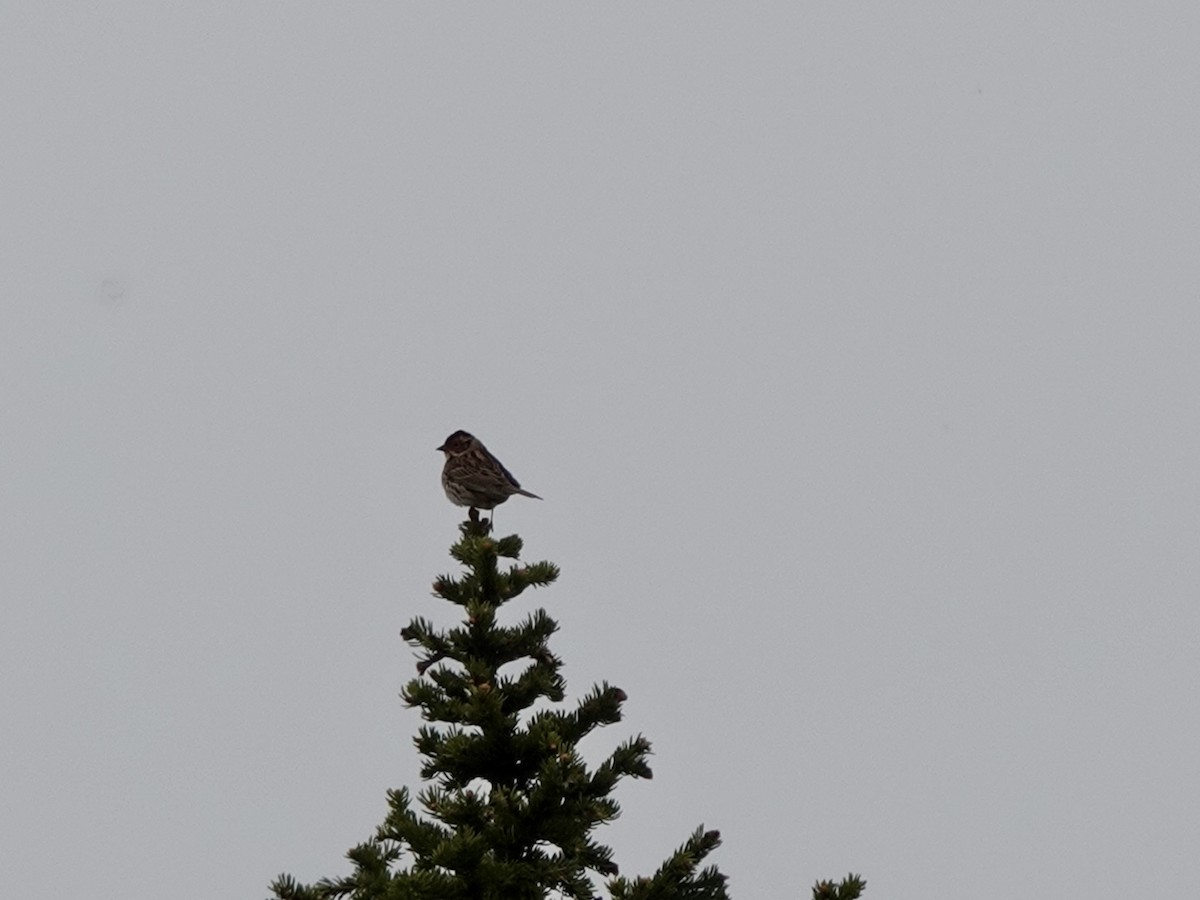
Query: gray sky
(853, 348)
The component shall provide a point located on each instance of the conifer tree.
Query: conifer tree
(850, 888)
(510, 807)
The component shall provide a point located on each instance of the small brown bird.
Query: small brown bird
(473, 477)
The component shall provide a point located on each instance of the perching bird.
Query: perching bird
(473, 477)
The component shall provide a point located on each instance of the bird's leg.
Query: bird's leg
(484, 525)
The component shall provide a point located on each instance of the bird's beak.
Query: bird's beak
(442, 448)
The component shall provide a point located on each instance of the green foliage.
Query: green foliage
(510, 806)
(677, 877)
(851, 888)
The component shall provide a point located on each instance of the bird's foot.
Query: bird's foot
(484, 525)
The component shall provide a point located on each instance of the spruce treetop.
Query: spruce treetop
(510, 808)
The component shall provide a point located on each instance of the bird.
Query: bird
(473, 477)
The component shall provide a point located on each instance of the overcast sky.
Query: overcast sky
(853, 347)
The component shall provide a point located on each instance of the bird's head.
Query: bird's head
(459, 442)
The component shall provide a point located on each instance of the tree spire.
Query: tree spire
(510, 808)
